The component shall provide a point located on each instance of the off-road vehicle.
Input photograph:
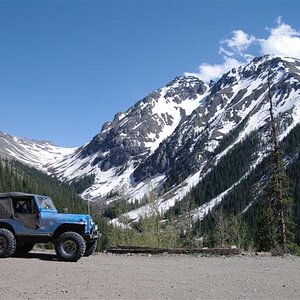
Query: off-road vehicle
(27, 219)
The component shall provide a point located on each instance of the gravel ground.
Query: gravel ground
(42, 276)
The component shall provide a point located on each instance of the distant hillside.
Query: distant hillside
(15, 176)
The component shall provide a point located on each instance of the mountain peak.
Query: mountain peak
(184, 79)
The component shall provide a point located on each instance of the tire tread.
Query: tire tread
(75, 237)
(11, 242)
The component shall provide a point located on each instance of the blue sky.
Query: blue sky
(66, 67)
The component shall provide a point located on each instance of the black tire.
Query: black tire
(91, 248)
(23, 249)
(70, 246)
(7, 243)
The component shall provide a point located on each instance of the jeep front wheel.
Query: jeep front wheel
(7, 243)
(70, 246)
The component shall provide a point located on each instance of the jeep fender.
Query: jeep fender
(79, 228)
(7, 226)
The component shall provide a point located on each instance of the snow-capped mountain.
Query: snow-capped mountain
(236, 105)
(34, 153)
(133, 136)
(173, 138)
(238, 99)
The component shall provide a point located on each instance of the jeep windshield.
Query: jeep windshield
(45, 203)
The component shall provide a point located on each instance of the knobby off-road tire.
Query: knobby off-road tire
(90, 248)
(7, 243)
(70, 246)
(23, 249)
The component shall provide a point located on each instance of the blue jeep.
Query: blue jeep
(27, 219)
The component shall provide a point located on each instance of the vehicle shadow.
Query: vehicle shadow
(46, 256)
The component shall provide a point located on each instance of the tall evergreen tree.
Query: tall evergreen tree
(275, 207)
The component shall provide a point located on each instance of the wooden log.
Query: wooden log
(150, 250)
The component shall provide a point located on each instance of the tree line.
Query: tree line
(17, 177)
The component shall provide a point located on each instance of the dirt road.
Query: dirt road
(41, 276)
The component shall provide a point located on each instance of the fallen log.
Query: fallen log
(150, 250)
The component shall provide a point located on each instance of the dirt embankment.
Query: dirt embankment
(41, 276)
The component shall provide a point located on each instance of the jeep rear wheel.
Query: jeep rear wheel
(7, 243)
(70, 246)
(90, 248)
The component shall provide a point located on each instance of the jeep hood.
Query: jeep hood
(74, 218)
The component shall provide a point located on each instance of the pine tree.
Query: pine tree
(186, 221)
(264, 239)
(275, 208)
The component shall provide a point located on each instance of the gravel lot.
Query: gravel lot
(42, 276)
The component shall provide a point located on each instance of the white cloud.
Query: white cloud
(225, 52)
(233, 54)
(209, 72)
(239, 42)
(283, 40)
